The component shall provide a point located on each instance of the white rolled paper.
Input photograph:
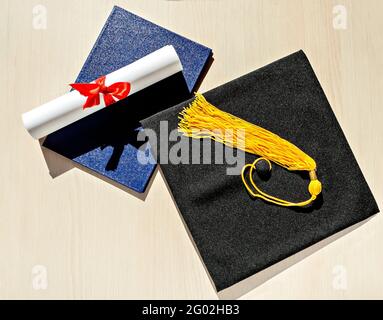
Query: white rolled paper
(68, 108)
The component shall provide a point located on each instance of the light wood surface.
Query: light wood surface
(94, 240)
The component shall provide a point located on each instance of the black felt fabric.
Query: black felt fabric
(238, 236)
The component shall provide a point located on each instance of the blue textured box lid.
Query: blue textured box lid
(105, 142)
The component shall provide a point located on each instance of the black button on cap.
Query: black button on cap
(263, 169)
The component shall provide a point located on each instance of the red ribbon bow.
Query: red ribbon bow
(112, 93)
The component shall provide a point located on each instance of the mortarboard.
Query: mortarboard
(236, 234)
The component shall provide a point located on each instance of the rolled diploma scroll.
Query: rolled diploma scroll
(68, 108)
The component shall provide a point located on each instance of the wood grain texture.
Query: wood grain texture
(97, 241)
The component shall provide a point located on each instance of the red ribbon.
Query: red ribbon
(112, 93)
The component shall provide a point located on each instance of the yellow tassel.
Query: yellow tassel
(203, 120)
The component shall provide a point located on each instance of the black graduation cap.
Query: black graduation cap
(238, 235)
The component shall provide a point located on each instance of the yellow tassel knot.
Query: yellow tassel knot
(315, 187)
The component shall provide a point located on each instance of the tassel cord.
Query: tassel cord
(266, 197)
